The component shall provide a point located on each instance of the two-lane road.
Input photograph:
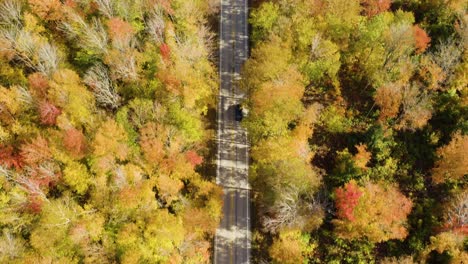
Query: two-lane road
(232, 241)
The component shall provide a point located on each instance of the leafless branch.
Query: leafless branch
(98, 79)
(106, 7)
(48, 59)
(10, 13)
(155, 25)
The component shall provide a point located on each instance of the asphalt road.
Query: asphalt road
(232, 241)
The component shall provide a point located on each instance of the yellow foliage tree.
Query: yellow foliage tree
(453, 160)
(67, 92)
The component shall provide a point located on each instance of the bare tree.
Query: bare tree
(417, 108)
(49, 59)
(98, 79)
(10, 13)
(457, 213)
(106, 7)
(93, 37)
(155, 25)
(293, 210)
(448, 56)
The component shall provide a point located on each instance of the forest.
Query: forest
(358, 125)
(103, 109)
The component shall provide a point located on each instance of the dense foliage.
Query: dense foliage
(103, 109)
(358, 123)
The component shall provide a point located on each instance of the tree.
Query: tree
(347, 198)
(48, 113)
(456, 215)
(48, 10)
(75, 101)
(421, 38)
(452, 160)
(75, 142)
(388, 98)
(36, 152)
(9, 158)
(77, 177)
(38, 84)
(375, 7)
(417, 108)
(452, 243)
(362, 157)
(109, 146)
(379, 215)
(263, 19)
(98, 79)
(291, 247)
(274, 105)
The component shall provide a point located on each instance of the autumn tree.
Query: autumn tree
(374, 7)
(9, 158)
(75, 101)
(48, 10)
(362, 157)
(380, 213)
(48, 113)
(36, 151)
(291, 247)
(388, 98)
(38, 84)
(453, 161)
(456, 215)
(109, 146)
(416, 108)
(75, 142)
(421, 38)
(347, 198)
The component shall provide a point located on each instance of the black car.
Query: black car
(238, 114)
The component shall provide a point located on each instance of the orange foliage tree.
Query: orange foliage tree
(453, 160)
(38, 84)
(388, 98)
(375, 7)
(47, 9)
(379, 215)
(75, 142)
(362, 157)
(119, 29)
(36, 151)
(421, 38)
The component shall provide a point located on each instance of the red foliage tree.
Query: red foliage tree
(48, 113)
(193, 158)
(421, 38)
(165, 51)
(75, 142)
(34, 204)
(375, 7)
(347, 197)
(10, 159)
